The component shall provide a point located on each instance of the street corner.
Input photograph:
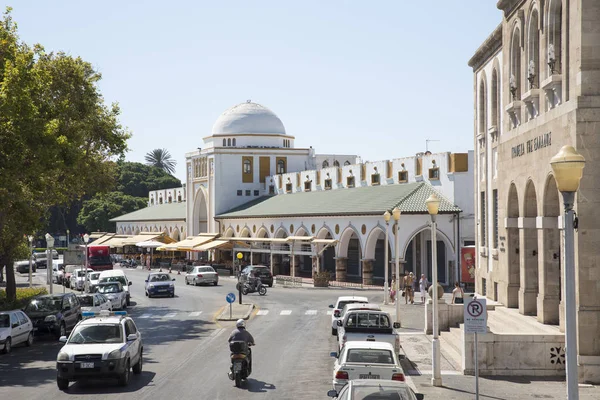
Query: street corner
(235, 311)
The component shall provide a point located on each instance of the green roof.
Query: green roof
(158, 212)
(367, 200)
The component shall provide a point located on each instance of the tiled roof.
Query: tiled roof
(367, 200)
(159, 212)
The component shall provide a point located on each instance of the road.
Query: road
(186, 353)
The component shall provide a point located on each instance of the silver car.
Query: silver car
(202, 275)
(115, 293)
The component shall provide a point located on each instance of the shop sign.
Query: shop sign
(532, 145)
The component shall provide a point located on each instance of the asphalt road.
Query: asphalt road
(186, 355)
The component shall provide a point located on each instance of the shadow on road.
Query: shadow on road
(30, 366)
(256, 386)
(136, 383)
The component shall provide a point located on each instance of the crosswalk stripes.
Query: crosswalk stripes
(170, 315)
(310, 312)
(262, 312)
(195, 313)
(329, 312)
(285, 312)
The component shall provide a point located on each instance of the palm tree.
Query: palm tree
(161, 158)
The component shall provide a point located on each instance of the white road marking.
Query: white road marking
(262, 312)
(195, 313)
(329, 312)
(310, 312)
(145, 316)
(285, 312)
(170, 315)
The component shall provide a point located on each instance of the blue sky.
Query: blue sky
(370, 78)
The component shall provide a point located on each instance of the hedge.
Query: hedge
(23, 297)
(60, 250)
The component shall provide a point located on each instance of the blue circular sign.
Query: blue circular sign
(230, 297)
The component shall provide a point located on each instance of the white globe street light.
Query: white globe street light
(433, 205)
(49, 246)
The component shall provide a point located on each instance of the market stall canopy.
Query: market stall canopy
(145, 236)
(168, 247)
(116, 241)
(215, 244)
(189, 243)
(150, 244)
(101, 241)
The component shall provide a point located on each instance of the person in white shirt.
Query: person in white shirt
(458, 294)
(423, 284)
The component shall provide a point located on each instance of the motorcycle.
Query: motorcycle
(240, 367)
(249, 288)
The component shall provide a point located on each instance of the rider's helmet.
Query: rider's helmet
(240, 323)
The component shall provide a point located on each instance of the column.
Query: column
(549, 276)
(367, 272)
(528, 291)
(276, 264)
(341, 267)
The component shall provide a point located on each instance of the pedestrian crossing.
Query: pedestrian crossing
(169, 315)
(263, 312)
(260, 312)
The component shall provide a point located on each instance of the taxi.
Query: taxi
(103, 345)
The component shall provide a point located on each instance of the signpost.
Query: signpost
(475, 322)
(230, 299)
(239, 256)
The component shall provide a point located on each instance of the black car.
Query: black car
(264, 273)
(54, 313)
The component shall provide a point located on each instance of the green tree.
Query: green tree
(97, 212)
(56, 135)
(162, 159)
(137, 179)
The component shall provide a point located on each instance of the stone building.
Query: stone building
(537, 88)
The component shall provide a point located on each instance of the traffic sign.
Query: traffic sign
(230, 297)
(475, 315)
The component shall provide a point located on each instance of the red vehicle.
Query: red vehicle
(99, 258)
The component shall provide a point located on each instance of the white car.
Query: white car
(114, 292)
(94, 280)
(15, 328)
(94, 302)
(339, 306)
(103, 346)
(202, 274)
(117, 275)
(366, 360)
(78, 278)
(361, 389)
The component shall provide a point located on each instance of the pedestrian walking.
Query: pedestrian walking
(423, 285)
(409, 289)
(393, 289)
(458, 294)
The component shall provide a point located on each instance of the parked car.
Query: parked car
(15, 328)
(117, 275)
(339, 306)
(94, 302)
(78, 278)
(369, 325)
(366, 360)
(114, 292)
(264, 273)
(158, 284)
(22, 267)
(68, 272)
(58, 273)
(54, 313)
(203, 274)
(94, 280)
(361, 389)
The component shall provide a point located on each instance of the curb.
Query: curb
(224, 315)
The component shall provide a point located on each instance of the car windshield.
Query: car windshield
(106, 333)
(44, 304)
(160, 278)
(370, 356)
(86, 301)
(4, 321)
(81, 274)
(95, 276)
(114, 279)
(344, 303)
(368, 320)
(381, 393)
(206, 269)
(114, 288)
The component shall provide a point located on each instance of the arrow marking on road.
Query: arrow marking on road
(262, 312)
(285, 312)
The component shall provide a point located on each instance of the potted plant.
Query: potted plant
(321, 279)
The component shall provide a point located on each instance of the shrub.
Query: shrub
(23, 297)
(321, 279)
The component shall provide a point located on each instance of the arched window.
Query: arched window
(346, 163)
(325, 164)
(233, 142)
(228, 142)
(533, 51)
(224, 142)
(515, 66)
(495, 97)
(281, 167)
(554, 37)
(336, 163)
(482, 107)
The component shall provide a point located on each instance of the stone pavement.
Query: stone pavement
(235, 312)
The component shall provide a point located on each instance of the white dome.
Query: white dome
(248, 117)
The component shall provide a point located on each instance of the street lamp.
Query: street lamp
(68, 232)
(30, 238)
(386, 217)
(396, 215)
(567, 166)
(49, 246)
(433, 205)
(86, 239)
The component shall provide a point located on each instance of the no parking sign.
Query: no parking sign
(475, 315)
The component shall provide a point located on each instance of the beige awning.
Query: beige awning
(189, 243)
(144, 236)
(215, 244)
(100, 241)
(324, 241)
(116, 241)
(168, 247)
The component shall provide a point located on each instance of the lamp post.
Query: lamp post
(239, 257)
(567, 166)
(30, 238)
(396, 214)
(386, 217)
(433, 205)
(49, 246)
(68, 232)
(86, 239)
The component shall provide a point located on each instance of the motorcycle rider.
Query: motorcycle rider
(240, 334)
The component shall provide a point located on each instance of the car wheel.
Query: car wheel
(29, 341)
(216, 283)
(7, 346)
(128, 301)
(271, 284)
(333, 332)
(63, 384)
(137, 368)
(124, 378)
(172, 294)
(196, 283)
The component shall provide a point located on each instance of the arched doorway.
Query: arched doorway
(303, 261)
(281, 257)
(550, 265)
(375, 253)
(512, 233)
(350, 253)
(260, 257)
(327, 256)
(529, 254)
(417, 256)
(200, 214)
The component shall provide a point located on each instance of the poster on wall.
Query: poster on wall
(467, 262)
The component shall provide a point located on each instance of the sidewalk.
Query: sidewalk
(235, 312)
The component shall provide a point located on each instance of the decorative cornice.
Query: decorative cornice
(509, 6)
(490, 46)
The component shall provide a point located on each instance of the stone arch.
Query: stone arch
(120, 230)
(375, 253)
(128, 230)
(482, 114)
(245, 232)
(496, 111)
(550, 267)
(512, 232)
(515, 71)
(554, 33)
(533, 47)
(417, 251)
(302, 231)
(529, 271)
(262, 232)
(327, 260)
(175, 234)
(229, 232)
(200, 212)
(281, 232)
(350, 249)
(324, 231)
